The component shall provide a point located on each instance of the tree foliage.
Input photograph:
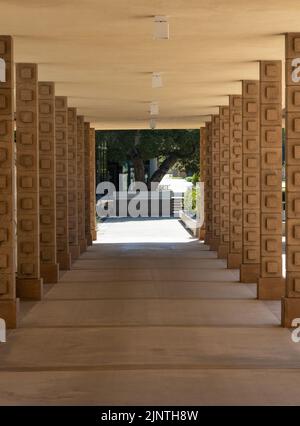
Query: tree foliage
(169, 146)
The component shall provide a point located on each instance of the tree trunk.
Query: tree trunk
(139, 169)
(137, 160)
(163, 168)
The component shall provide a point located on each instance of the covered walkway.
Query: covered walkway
(156, 320)
(145, 314)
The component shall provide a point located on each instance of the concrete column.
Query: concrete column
(271, 283)
(81, 183)
(215, 183)
(47, 181)
(93, 184)
(72, 184)
(208, 184)
(291, 302)
(250, 268)
(223, 248)
(8, 241)
(62, 210)
(29, 282)
(203, 164)
(87, 192)
(235, 254)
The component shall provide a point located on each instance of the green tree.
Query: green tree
(137, 146)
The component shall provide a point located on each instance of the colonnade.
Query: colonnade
(242, 173)
(47, 184)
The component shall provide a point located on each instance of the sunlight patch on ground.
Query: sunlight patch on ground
(143, 230)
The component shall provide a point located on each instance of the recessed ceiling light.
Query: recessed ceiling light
(152, 124)
(2, 70)
(154, 108)
(161, 27)
(156, 80)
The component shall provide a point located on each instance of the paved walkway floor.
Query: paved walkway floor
(149, 316)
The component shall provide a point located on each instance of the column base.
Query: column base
(290, 309)
(234, 260)
(207, 240)
(75, 252)
(249, 272)
(64, 260)
(214, 244)
(94, 235)
(50, 273)
(202, 234)
(83, 246)
(29, 288)
(9, 311)
(270, 288)
(89, 240)
(223, 251)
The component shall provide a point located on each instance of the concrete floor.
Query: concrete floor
(149, 316)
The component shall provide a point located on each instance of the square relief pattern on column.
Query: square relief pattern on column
(87, 190)
(292, 155)
(224, 174)
(251, 172)
(93, 183)
(28, 171)
(271, 167)
(61, 145)
(7, 175)
(81, 177)
(72, 177)
(216, 178)
(208, 181)
(47, 172)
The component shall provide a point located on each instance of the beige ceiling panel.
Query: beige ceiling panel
(102, 53)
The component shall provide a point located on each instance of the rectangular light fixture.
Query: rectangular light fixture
(156, 80)
(154, 108)
(2, 71)
(152, 124)
(161, 28)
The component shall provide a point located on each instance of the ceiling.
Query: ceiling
(101, 53)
